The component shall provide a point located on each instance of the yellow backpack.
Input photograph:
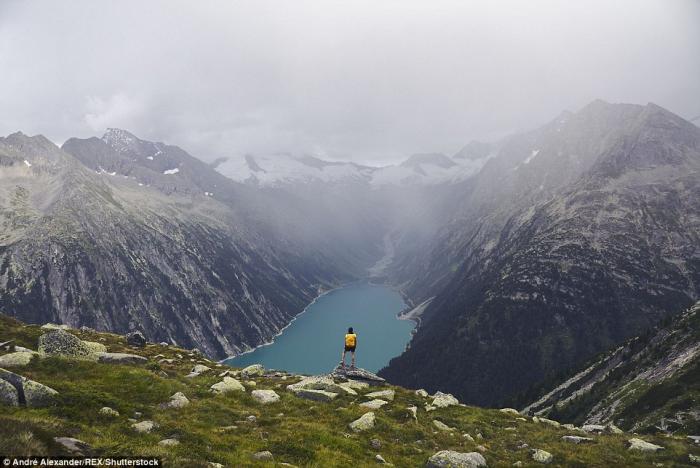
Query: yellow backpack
(350, 339)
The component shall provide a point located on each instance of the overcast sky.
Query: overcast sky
(362, 80)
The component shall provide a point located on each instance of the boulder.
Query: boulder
(376, 444)
(177, 400)
(200, 369)
(109, 412)
(380, 459)
(120, 358)
(413, 412)
(373, 404)
(95, 347)
(452, 459)
(61, 343)
(355, 384)
(549, 422)
(229, 384)
(168, 442)
(443, 400)
(422, 393)
(317, 383)
(143, 426)
(76, 447)
(17, 359)
(265, 455)
(29, 393)
(8, 394)
(593, 428)
(136, 339)
(363, 423)
(54, 326)
(265, 396)
(357, 374)
(613, 429)
(442, 426)
(512, 411)
(643, 446)
(254, 370)
(542, 456)
(316, 395)
(576, 439)
(383, 394)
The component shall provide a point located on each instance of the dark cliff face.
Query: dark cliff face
(596, 244)
(107, 241)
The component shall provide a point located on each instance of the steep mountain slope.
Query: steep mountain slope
(651, 383)
(572, 239)
(110, 252)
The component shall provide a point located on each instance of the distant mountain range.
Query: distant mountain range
(525, 257)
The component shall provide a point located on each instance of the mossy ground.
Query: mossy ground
(214, 428)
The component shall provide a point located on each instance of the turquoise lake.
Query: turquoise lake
(313, 343)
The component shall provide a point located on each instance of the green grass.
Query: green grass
(296, 431)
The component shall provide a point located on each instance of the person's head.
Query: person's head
(350, 330)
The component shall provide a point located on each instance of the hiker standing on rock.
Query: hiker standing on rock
(350, 345)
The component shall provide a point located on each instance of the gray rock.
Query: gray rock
(95, 347)
(694, 459)
(109, 412)
(452, 459)
(120, 358)
(29, 393)
(265, 396)
(373, 404)
(549, 422)
(74, 446)
(380, 459)
(263, 456)
(383, 394)
(512, 411)
(61, 343)
(355, 384)
(169, 442)
(8, 394)
(254, 370)
(613, 429)
(422, 393)
(316, 395)
(363, 423)
(542, 456)
(251, 419)
(413, 411)
(442, 426)
(317, 383)
(643, 446)
(228, 384)
(376, 444)
(136, 339)
(593, 428)
(17, 359)
(177, 400)
(54, 326)
(200, 369)
(576, 439)
(443, 400)
(144, 427)
(357, 374)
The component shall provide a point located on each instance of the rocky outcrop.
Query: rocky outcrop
(228, 384)
(17, 359)
(61, 343)
(265, 396)
(363, 423)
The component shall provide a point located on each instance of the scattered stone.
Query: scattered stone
(374, 404)
(357, 374)
(263, 456)
(325, 383)
(479, 436)
(29, 393)
(55, 326)
(348, 390)
(200, 368)
(613, 429)
(468, 437)
(413, 411)
(177, 400)
(593, 428)
(384, 395)
(163, 343)
(265, 396)
(136, 339)
(694, 459)
(251, 419)
(452, 459)
(316, 395)
(17, 359)
(379, 459)
(120, 358)
(442, 426)
(363, 423)
(512, 411)
(570, 427)
(695, 439)
(8, 394)
(109, 412)
(144, 426)
(429, 408)
(443, 400)
(481, 448)
(550, 422)
(355, 384)
(542, 456)
(254, 370)
(229, 384)
(518, 463)
(22, 349)
(169, 442)
(61, 343)
(250, 383)
(166, 361)
(643, 446)
(422, 393)
(95, 347)
(138, 414)
(74, 446)
(376, 444)
(576, 439)
(196, 352)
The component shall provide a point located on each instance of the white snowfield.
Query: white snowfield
(281, 169)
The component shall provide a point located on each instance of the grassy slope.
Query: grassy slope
(306, 434)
